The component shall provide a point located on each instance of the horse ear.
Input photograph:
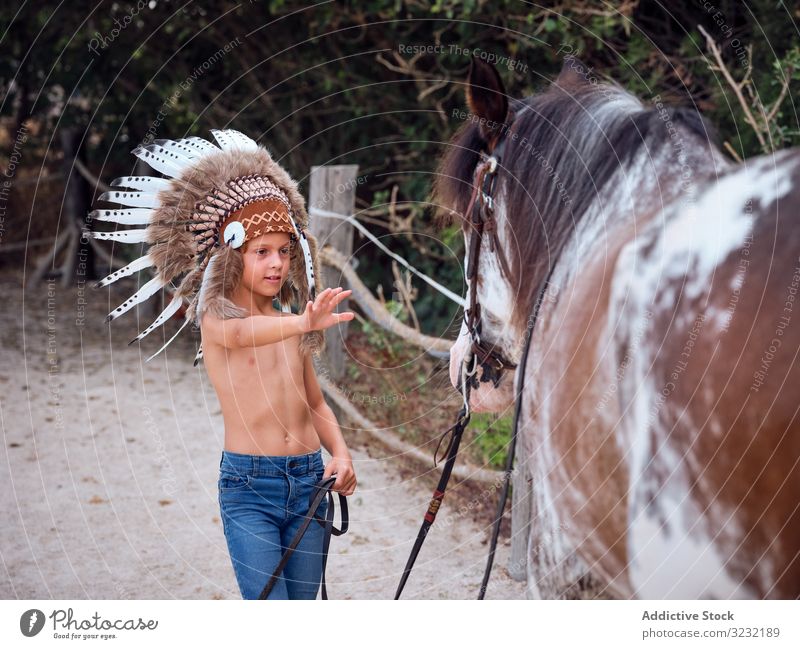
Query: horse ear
(573, 72)
(486, 97)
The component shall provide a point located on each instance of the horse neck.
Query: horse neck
(654, 178)
(651, 182)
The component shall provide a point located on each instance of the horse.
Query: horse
(658, 425)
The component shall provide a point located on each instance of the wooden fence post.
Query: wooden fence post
(333, 189)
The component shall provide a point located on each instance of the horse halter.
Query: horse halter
(480, 211)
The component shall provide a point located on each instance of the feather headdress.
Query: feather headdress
(214, 199)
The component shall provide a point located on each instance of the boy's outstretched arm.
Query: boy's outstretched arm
(329, 433)
(258, 330)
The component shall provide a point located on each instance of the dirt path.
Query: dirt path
(109, 470)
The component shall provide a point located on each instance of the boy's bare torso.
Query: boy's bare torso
(262, 394)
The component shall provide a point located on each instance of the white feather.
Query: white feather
(125, 271)
(123, 236)
(164, 346)
(179, 148)
(125, 217)
(131, 199)
(231, 139)
(307, 256)
(142, 183)
(201, 294)
(309, 265)
(165, 315)
(176, 155)
(167, 164)
(202, 146)
(199, 354)
(147, 291)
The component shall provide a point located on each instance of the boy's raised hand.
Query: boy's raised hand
(319, 314)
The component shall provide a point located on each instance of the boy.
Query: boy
(227, 228)
(275, 418)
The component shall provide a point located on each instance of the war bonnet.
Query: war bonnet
(213, 200)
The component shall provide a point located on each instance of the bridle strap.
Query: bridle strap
(481, 214)
(322, 490)
(480, 218)
(438, 494)
(512, 445)
(456, 432)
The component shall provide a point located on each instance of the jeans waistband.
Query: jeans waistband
(270, 465)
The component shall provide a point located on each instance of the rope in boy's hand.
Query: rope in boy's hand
(342, 469)
(321, 491)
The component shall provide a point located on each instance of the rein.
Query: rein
(321, 490)
(493, 363)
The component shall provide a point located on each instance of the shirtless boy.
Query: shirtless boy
(275, 419)
(228, 230)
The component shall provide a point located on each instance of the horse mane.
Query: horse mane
(561, 151)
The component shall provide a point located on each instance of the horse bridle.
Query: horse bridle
(480, 212)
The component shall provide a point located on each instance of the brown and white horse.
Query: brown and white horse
(659, 421)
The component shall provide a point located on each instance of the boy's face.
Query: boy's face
(266, 263)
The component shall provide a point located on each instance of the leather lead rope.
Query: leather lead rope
(438, 495)
(321, 490)
(512, 445)
(480, 217)
(452, 450)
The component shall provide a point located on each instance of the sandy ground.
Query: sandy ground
(109, 473)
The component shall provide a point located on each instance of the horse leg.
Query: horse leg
(554, 569)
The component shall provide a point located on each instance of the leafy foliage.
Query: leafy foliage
(373, 83)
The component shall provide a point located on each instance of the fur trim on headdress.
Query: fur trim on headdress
(184, 215)
(220, 279)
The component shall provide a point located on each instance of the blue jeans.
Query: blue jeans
(263, 500)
